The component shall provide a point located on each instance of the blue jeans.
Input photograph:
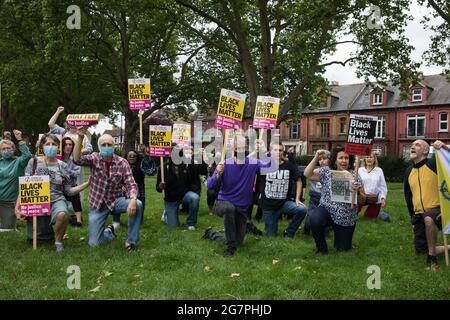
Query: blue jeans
(319, 221)
(192, 200)
(271, 218)
(97, 232)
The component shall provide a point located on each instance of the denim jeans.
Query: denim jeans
(192, 200)
(271, 218)
(319, 221)
(97, 232)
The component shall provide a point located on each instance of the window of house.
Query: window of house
(377, 98)
(416, 95)
(380, 130)
(443, 122)
(294, 130)
(343, 125)
(416, 126)
(406, 151)
(323, 128)
(377, 149)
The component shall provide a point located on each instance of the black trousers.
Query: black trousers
(235, 223)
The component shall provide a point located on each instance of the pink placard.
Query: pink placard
(227, 123)
(160, 152)
(264, 124)
(39, 210)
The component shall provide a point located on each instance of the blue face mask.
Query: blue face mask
(106, 151)
(50, 151)
(7, 154)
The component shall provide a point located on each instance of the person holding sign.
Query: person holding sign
(276, 188)
(340, 215)
(422, 199)
(236, 178)
(11, 167)
(57, 170)
(111, 176)
(71, 132)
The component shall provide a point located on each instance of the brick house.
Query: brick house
(424, 115)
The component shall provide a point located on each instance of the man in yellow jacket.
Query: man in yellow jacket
(422, 199)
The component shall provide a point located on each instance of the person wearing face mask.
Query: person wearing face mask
(182, 185)
(111, 175)
(11, 167)
(60, 184)
(74, 172)
(422, 199)
(135, 161)
(331, 213)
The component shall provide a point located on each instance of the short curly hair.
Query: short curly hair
(333, 158)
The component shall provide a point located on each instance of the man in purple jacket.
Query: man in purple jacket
(236, 179)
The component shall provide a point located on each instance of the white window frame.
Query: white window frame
(415, 94)
(380, 132)
(441, 122)
(416, 117)
(377, 99)
(297, 125)
(377, 149)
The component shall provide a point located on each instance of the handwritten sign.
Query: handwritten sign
(34, 195)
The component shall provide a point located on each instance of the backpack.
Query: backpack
(44, 229)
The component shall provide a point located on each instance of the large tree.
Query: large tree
(282, 46)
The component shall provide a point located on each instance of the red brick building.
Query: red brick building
(424, 115)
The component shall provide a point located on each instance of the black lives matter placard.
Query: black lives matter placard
(361, 134)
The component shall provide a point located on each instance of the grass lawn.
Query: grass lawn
(178, 264)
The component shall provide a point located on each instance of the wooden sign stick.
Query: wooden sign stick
(140, 127)
(356, 170)
(446, 250)
(162, 174)
(34, 232)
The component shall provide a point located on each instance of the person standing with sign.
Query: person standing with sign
(111, 175)
(332, 213)
(60, 184)
(11, 167)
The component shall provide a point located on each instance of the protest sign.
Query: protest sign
(361, 135)
(160, 141)
(82, 120)
(341, 186)
(181, 134)
(230, 110)
(40, 151)
(34, 196)
(139, 93)
(266, 112)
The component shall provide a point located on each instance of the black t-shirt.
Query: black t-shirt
(277, 186)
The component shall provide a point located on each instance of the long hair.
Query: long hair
(333, 158)
(375, 160)
(64, 142)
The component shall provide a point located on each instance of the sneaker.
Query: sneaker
(229, 253)
(78, 224)
(287, 235)
(130, 247)
(206, 233)
(59, 247)
(431, 262)
(116, 225)
(252, 229)
(163, 216)
(191, 228)
(111, 229)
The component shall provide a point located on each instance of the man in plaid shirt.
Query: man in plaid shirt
(110, 176)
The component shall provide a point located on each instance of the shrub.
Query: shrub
(393, 167)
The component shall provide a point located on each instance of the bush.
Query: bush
(393, 167)
(303, 160)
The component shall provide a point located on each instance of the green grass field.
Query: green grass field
(178, 264)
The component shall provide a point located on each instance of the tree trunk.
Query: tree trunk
(131, 126)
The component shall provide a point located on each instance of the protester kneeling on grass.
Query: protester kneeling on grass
(422, 199)
(275, 190)
(110, 176)
(375, 187)
(236, 178)
(60, 184)
(181, 186)
(340, 215)
(11, 167)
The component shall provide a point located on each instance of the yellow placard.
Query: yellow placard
(230, 110)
